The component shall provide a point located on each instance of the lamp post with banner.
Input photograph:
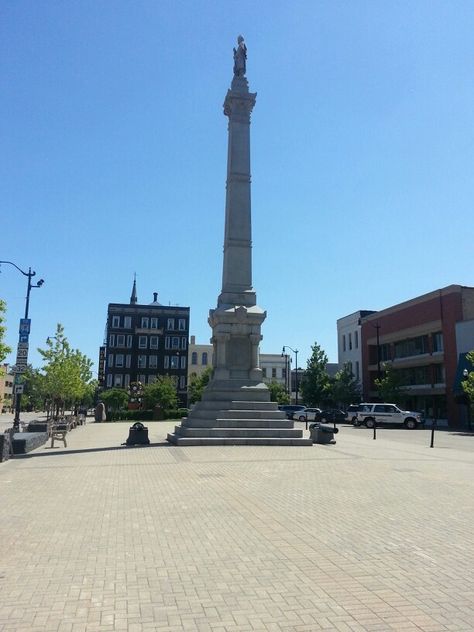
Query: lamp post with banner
(23, 343)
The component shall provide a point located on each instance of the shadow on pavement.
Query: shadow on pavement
(55, 452)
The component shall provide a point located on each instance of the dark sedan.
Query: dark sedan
(332, 415)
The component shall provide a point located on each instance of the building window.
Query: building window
(109, 380)
(166, 364)
(264, 372)
(183, 362)
(153, 342)
(118, 380)
(343, 342)
(120, 340)
(115, 321)
(182, 324)
(184, 343)
(127, 322)
(154, 323)
(175, 362)
(142, 379)
(126, 380)
(357, 370)
(204, 359)
(175, 342)
(182, 381)
(129, 342)
(274, 372)
(152, 362)
(356, 339)
(438, 342)
(350, 342)
(142, 342)
(128, 360)
(142, 361)
(194, 358)
(144, 322)
(170, 324)
(112, 340)
(411, 347)
(167, 342)
(119, 360)
(110, 360)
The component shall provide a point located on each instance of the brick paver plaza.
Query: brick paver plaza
(363, 535)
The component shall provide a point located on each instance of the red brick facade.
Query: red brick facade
(419, 322)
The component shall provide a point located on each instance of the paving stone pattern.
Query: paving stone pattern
(361, 536)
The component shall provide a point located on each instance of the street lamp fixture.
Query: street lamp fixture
(295, 351)
(22, 351)
(465, 375)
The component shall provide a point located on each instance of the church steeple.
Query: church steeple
(133, 298)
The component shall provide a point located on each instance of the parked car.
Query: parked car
(333, 415)
(308, 414)
(371, 414)
(351, 414)
(291, 409)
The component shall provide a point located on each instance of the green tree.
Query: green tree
(34, 394)
(67, 373)
(468, 383)
(162, 392)
(197, 384)
(344, 388)
(115, 399)
(4, 348)
(278, 392)
(315, 385)
(390, 386)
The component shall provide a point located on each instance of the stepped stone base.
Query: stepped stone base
(224, 417)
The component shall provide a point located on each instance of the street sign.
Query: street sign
(25, 325)
(18, 379)
(24, 338)
(19, 368)
(19, 388)
(23, 345)
(21, 353)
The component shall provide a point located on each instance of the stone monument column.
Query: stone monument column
(235, 406)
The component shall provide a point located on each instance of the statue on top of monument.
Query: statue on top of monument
(240, 57)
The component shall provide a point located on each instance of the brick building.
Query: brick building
(144, 341)
(421, 339)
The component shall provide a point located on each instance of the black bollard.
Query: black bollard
(433, 426)
(375, 430)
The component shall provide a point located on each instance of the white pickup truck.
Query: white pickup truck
(371, 414)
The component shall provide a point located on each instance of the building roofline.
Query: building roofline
(449, 289)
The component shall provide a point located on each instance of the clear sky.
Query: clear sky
(114, 148)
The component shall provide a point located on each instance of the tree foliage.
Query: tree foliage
(468, 383)
(4, 348)
(66, 371)
(115, 399)
(315, 385)
(278, 392)
(162, 392)
(390, 386)
(197, 384)
(344, 388)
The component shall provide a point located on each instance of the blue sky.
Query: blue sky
(114, 158)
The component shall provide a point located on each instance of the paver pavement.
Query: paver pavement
(364, 535)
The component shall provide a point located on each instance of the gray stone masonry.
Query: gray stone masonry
(236, 406)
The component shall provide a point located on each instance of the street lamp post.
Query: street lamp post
(295, 351)
(465, 375)
(22, 350)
